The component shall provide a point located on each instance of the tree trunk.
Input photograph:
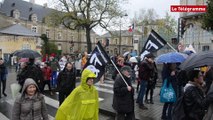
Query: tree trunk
(89, 45)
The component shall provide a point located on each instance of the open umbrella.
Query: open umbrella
(171, 57)
(26, 53)
(133, 60)
(198, 60)
(23, 60)
(126, 53)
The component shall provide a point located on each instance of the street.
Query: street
(6, 103)
(105, 97)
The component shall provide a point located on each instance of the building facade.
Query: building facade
(32, 16)
(122, 41)
(192, 31)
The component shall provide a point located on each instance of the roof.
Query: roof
(19, 30)
(117, 33)
(25, 8)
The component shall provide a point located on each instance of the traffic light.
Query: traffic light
(183, 27)
(107, 42)
(174, 41)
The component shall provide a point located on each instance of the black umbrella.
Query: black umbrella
(26, 53)
(198, 60)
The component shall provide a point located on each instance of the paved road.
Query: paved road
(52, 103)
(105, 97)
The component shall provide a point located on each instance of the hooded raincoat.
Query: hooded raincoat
(82, 103)
(26, 108)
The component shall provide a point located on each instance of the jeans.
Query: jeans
(167, 110)
(54, 79)
(142, 91)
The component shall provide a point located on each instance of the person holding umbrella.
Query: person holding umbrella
(195, 102)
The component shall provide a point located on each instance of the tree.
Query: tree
(208, 16)
(87, 14)
(47, 47)
(167, 27)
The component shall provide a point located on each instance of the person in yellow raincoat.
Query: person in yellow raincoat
(82, 103)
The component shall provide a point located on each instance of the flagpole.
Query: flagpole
(171, 46)
(119, 72)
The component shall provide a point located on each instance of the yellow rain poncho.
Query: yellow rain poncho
(82, 103)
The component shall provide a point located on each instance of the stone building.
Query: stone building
(32, 16)
(122, 41)
(201, 39)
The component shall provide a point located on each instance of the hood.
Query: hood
(188, 85)
(85, 75)
(29, 81)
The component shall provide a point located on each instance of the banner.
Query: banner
(97, 61)
(153, 43)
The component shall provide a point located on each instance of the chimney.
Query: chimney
(45, 5)
(32, 1)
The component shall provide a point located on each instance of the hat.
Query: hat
(149, 55)
(126, 68)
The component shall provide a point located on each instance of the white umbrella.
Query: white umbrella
(126, 53)
(133, 60)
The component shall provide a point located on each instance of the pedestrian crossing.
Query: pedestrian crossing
(52, 101)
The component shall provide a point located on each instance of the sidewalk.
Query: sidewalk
(153, 113)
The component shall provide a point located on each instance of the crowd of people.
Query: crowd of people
(194, 87)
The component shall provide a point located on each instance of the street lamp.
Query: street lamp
(120, 33)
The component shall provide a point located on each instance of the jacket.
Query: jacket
(123, 101)
(47, 72)
(194, 102)
(82, 103)
(209, 114)
(26, 108)
(146, 70)
(66, 80)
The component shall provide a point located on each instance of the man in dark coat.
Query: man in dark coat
(3, 73)
(146, 69)
(66, 81)
(123, 98)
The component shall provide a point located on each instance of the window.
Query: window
(34, 29)
(15, 13)
(26, 46)
(33, 17)
(48, 33)
(72, 38)
(205, 48)
(59, 46)
(59, 36)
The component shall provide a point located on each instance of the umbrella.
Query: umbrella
(26, 53)
(133, 60)
(23, 60)
(171, 57)
(126, 53)
(198, 60)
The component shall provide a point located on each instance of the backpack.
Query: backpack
(178, 112)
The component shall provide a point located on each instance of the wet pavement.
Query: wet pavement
(105, 96)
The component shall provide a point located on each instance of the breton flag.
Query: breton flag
(153, 43)
(97, 61)
(131, 28)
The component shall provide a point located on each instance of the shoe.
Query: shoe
(146, 101)
(151, 102)
(143, 107)
(5, 94)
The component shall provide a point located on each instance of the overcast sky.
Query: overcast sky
(160, 6)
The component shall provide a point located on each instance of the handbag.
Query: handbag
(167, 93)
(15, 88)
